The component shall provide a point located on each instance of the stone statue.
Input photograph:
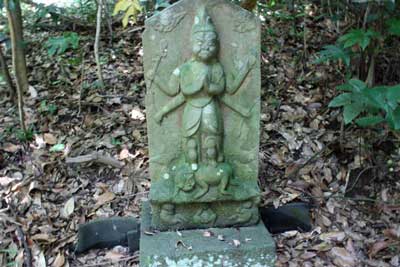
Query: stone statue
(199, 107)
(201, 62)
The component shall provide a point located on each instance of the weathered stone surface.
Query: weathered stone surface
(196, 248)
(202, 69)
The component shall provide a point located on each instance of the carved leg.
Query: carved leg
(203, 188)
(223, 186)
(177, 190)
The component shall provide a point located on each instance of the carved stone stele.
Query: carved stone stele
(202, 71)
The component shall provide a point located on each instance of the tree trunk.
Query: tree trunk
(14, 16)
(109, 23)
(7, 77)
(97, 41)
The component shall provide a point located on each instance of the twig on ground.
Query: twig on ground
(310, 160)
(97, 42)
(108, 262)
(358, 178)
(97, 157)
(356, 199)
(21, 237)
(27, 251)
(81, 83)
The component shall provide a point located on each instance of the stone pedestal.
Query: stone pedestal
(250, 246)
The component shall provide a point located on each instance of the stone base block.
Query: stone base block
(205, 215)
(250, 246)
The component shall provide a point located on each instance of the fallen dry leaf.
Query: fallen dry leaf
(333, 236)
(50, 139)
(236, 242)
(69, 207)
(11, 148)
(377, 247)
(342, 258)
(104, 198)
(137, 115)
(59, 261)
(208, 233)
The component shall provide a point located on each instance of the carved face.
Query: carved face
(204, 45)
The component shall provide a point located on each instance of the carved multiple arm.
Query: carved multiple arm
(235, 80)
(172, 87)
(233, 83)
(170, 106)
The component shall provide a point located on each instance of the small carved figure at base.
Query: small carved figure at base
(205, 216)
(168, 216)
(243, 213)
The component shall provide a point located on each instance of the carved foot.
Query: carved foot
(225, 192)
(201, 193)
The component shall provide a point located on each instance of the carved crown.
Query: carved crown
(202, 22)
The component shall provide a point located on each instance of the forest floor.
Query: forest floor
(350, 175)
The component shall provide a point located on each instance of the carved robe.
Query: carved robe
(201, 84)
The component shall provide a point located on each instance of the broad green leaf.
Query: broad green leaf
(396, 118)
(358, 85)
(345, 87)
(369, 120)
(376, 96)
(57, 148)
(393, 92)
(333, 52)
(340, 100)
(58, 45)
(350, 112)
(358, 37)
(394, 26)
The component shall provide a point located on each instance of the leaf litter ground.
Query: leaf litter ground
(349, 175)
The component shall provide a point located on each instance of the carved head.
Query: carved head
(204, 37)
(168, 208)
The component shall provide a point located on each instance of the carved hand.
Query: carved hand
(251, 61)
(159, 117)
(149, 74)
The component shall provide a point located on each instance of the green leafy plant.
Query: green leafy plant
(369, 106)
(334, 52)
(394, 26)
(47, 108)
(115, 141)
(58, 45)
(24, 136)
(358, 38)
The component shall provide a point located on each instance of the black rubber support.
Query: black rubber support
(292, 216)
(109, 232)
(125, 231)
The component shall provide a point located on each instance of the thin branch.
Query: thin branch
(81, 83)
(96, 157)
(27, 251)
(97, 41)
(108, 262)
(7, 77)
(21, 237)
